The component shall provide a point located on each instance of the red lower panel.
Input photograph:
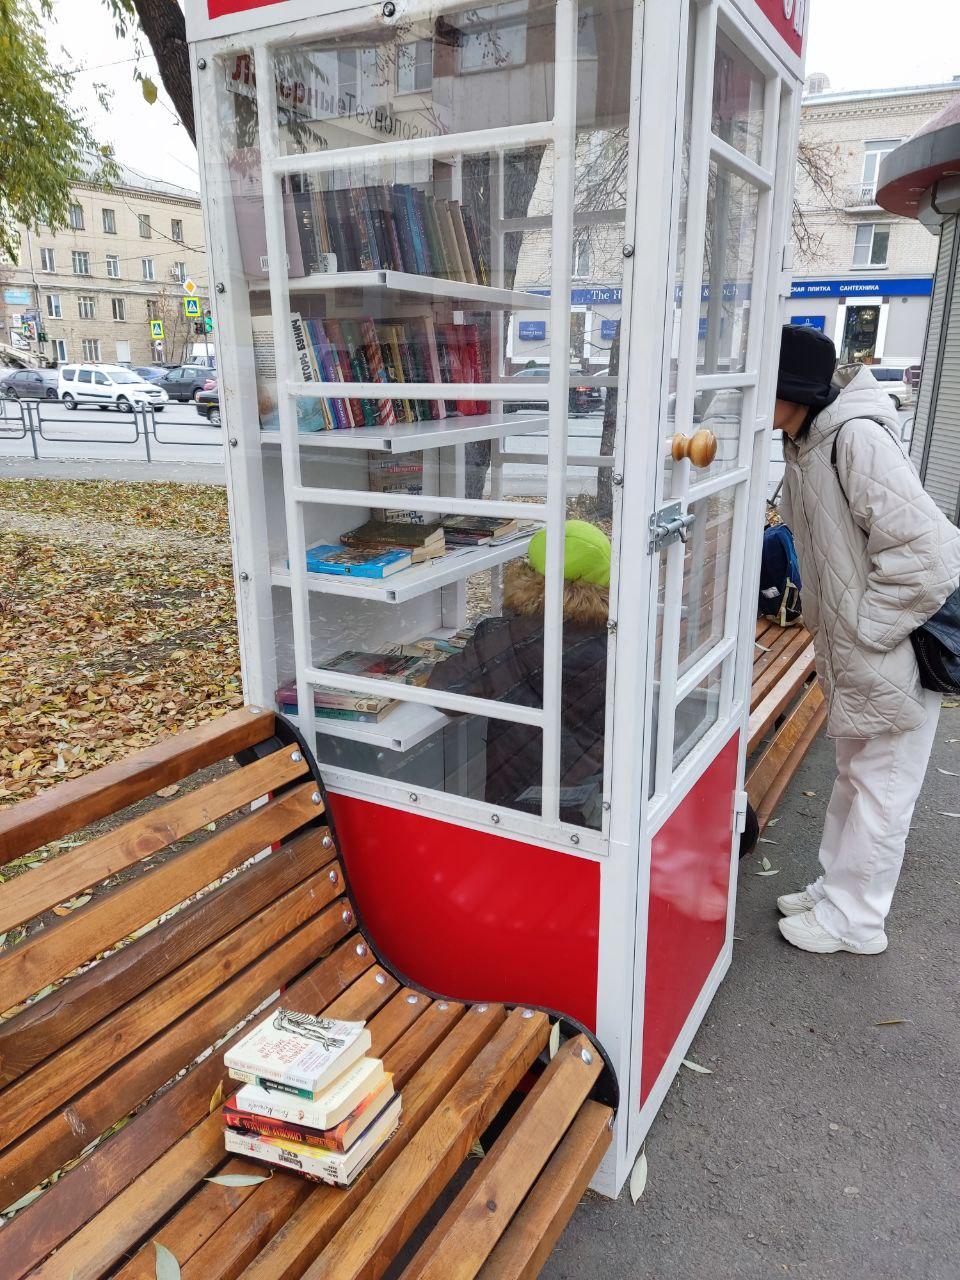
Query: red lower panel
(689, 880)
(218, 8)
(474, 915)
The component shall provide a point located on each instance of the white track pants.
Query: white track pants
(866, 827)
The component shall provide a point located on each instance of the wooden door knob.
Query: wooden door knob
(700, 448)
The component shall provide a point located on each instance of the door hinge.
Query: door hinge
(740, 813)
(667, 525)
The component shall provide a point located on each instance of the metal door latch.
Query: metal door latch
(667, 525)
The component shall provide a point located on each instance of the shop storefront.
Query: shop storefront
(876, 320)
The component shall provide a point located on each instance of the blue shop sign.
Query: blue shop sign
(913, 287)
(810, 322)
(602, 297)
(16, 297)
(532, 330)
(608, 330)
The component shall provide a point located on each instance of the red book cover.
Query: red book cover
(378, 373)
(338, 345)
(455, 365)
(472, 358)
(334, 1139)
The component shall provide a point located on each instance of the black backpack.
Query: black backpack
(937, 642)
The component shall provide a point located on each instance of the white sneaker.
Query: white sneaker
(794, 904)
(806, 932)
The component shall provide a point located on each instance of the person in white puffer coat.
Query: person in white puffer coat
(877, 559)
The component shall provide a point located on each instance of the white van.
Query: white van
(893, 380)
(107, 386)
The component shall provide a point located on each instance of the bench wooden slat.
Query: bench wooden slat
(53, 952)
(42, 887)
(71, 1009)
(457, 1037)
(80, 1194)
(770, 764)
(363, 1248)
(61, 1137)
(537, 1226)
(72, 805)
(771, 646)
(790, 766)
(457, 1247)
(51, 1084)
(784, 659)
(768, 709)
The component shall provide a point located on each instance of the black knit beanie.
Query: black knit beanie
(807, 362)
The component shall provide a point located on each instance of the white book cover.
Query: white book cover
(339, 1168)
(333, 1105)
(297, 1050)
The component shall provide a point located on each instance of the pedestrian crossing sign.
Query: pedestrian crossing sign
(191, 307)
(156, 329)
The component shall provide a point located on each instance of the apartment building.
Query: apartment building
(100, 285)
(861, 274)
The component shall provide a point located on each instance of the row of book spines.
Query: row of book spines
(442, 353)
(398, 228)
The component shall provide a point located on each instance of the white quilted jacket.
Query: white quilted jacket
(873, 570)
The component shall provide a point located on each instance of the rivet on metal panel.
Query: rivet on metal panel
(296, 757)
(606, 806)
(316, 797)
(201, 64)
(244, 576)
(611, 624)
(628, 250)
(574, 839)
(411, 999)
(495, 818)
(234, 442)
(380, 979)
(414, 797)
(221, 288)
(586, 1056)
(361, 948)
(389, 9)
(617, 478)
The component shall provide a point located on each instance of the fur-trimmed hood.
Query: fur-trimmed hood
(584, 603)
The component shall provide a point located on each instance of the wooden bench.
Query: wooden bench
(117, 1055)
(786, 702)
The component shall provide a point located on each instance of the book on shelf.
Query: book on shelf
(333, 1105)
(398, 476)
(339, 1136)
(246, 184)
(423, 541)
(350, 562)
(477, 531)
(337, 704)
(296, 1052)
(337, 1167)
(311, 414)
(405, 668)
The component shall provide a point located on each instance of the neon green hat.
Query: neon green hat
(586, 553)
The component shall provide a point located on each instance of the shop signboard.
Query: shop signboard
(532, 330)
(16, 297)
(911, 287)
(810, 322)
(608, 330)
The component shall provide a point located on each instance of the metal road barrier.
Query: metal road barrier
(37, 422)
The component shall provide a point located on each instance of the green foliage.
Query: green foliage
(45, 144)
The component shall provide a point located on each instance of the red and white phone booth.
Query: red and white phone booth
(556, 228)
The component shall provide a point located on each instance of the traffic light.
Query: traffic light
(198, 328)
(207, 322)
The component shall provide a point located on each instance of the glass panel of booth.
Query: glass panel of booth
(414, 262)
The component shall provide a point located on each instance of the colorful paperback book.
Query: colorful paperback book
(337, 703)
(296, 1052)
(324, 1112)
(355, 563)
(409, 534)
(340, 1137)
(381, 666)
(338, 1168)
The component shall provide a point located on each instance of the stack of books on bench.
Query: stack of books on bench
(312, 1100)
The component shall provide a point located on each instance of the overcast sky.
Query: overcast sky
(858, 43)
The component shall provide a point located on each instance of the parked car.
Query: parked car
(208, 405)
(912, 376)
(30, 384)
(149, 372)
(581, 399)
(893, 379)
(184, 381)
(107, 386)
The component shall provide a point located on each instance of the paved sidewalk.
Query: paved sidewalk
(106, 469)
(823, 1146)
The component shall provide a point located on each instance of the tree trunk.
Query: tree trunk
(164, 26)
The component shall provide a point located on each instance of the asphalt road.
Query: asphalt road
(823, 1146)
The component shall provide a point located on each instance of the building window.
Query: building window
(494, 37)
(871, 245)
(145, 229)
(59, 349)
(415, 67)
(119, 309)
(87, 306)
(81, 262)
(146, 266)
(54, 310)
(873, 153)
(91, 350)
(76, 217)
(153, 309)
(113, 266)
(581, 258)
(179, 272)
(176, 230)
(48, 260)
(110, 222)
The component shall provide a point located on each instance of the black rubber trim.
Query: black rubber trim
(606, 1090)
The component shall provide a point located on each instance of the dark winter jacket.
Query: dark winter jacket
(504, 662)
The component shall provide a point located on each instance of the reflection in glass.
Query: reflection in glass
(706, 569)
(695, 715)
(737, 99)
(725, 295)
